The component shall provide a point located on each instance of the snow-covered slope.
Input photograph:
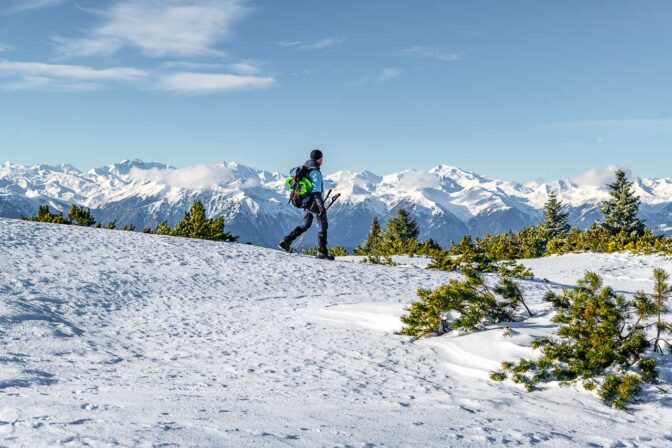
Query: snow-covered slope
(113, 338)
(447, 201)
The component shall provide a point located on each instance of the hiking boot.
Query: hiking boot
(323, 251)
(324, 256)
(285, 246)
(286, 243)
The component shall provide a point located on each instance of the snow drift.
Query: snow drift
(119, 338)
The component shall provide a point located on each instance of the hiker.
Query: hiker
(313, 205)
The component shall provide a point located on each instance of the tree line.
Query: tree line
(194, 224)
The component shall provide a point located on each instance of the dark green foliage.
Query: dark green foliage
(162, 229)
(596, 340)
(655, 306)
(80, 216)
(399, 237)
(378, 259)
(619, 390)
(400, 231)
(556, 219)
(195, 224)
(373, 241)
(472, 303)
(44, 215)
(620, 211)
(338, 251)
(478, 257)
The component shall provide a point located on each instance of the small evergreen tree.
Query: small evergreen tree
(661, 294)
(162, 229)
(44, 215)
(195, 224)
(471, 303)
(401, 233)
(620, 211)
(594, 342)
(373, 242)
(80, 216)
(556, 219)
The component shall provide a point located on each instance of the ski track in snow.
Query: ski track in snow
(111, 338)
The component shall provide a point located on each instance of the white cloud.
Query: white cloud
(191, 65)
(386, 74)
(193, 177)
(597, 177)
(51, 84)
(652, 124)
(414, 180)
(211, 82)
(5, 47)
(432, 53)
(247, 67)
(77, 78)
(72, 72)
(16, 6)
(158, 28)
(319, 44)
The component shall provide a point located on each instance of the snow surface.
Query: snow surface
(119, 338)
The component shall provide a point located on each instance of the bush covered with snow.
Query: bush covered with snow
(597, 343)
(471, 303)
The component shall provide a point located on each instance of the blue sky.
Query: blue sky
(515, 90)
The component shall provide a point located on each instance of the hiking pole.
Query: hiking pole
(336, 196)
(298, 243)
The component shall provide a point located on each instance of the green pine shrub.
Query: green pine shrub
(597, 344)
(195, 224)
(473, 303)
(338, 251)
(398, 237)
(378, 259)
(80, 216)
(44, 215)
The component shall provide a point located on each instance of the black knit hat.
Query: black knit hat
(315, 154)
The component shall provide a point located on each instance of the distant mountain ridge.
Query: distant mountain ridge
(448, 202)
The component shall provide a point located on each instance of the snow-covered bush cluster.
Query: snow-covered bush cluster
(471, 301)
(601, 341)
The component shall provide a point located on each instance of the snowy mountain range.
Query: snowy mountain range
(447, 202)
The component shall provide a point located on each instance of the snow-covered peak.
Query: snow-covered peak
(237, 191)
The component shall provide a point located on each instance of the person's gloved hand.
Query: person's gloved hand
(321, 210)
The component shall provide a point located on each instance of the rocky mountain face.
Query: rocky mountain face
(446, 201)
